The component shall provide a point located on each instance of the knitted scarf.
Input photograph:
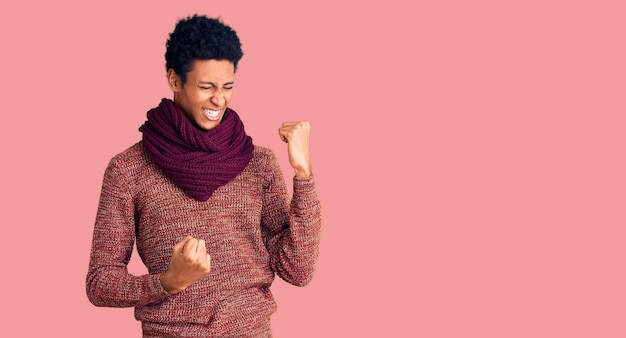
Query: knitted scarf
(196, 161)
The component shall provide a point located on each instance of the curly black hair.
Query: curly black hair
(199, 37)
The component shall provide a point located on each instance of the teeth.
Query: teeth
(210, 112)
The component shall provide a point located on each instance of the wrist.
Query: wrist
(168, 285)
(303, 173)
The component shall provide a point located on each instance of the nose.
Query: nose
(218, 98)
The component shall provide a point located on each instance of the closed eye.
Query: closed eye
(209, 86)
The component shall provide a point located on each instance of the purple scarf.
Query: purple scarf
(197, 161)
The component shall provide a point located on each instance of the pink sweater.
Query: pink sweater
(251, 229)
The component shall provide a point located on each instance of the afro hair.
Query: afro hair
(200, 38)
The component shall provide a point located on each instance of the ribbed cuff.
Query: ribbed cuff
(303, 185)
(156, 288)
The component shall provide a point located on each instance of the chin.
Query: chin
(209, 126)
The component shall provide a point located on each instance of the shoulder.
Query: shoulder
(260, 151)
(263, 163)
(134, 169)
(131, 159)
(263, 157)
(131, 154)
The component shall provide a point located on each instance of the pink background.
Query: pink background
(469, 156)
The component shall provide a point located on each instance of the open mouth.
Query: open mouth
(211, 114)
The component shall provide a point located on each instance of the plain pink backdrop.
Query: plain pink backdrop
(469, 156)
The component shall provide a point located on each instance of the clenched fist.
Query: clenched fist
(296, 134)
(188, 264)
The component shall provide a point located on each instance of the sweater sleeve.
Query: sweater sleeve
(292, 228)
(108, 281)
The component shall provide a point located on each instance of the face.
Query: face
(206, 93)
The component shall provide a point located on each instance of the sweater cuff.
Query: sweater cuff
(303, 185)
(156, 288)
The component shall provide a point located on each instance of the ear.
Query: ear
(174, 80)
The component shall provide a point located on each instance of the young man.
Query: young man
(209, 210)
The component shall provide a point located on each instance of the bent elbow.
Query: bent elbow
(298, 277)
(303, 281)
(95, 295)
(92, 295)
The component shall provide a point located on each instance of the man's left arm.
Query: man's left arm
(293, 242)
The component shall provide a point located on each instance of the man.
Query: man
(209, 210)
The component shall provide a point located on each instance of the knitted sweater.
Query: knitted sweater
(251, 230)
